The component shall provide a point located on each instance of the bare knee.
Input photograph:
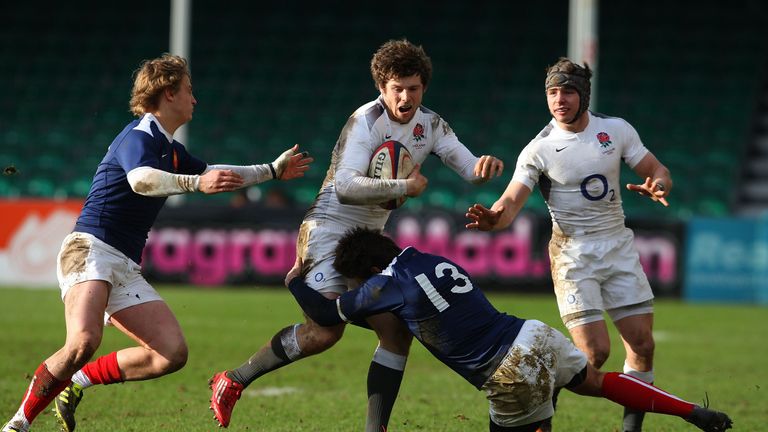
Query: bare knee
(398, 340)
(79, 349)
(644, 348)
(171, 358)
(314, 339)
(598, 354)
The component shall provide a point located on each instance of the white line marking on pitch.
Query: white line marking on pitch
(271, 391)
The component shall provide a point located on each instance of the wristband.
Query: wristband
(274, 173)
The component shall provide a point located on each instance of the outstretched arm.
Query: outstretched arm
(289, 165)
(154, 182)
(502, 212)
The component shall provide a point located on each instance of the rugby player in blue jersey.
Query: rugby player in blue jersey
(98, 265)
(517, 362)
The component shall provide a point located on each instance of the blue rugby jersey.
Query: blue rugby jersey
(113, 212)
(440, 304)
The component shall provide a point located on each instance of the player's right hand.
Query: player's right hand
(415, 182)
(291, 163)
(482, 218)
(216, 181)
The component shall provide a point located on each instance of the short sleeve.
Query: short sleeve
(137, 150)
(634, 150)
(528, 168)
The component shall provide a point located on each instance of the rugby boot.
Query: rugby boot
(65, 405)
(225, 394)
(709, 420)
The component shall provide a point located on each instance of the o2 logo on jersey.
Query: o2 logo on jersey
(462, 284)
(592, 180)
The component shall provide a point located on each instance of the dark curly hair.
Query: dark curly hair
(361, 249)
(399, 59)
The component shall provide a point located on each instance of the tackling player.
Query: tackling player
(98, 264)
(349, 198)
(576, 160)
(517, 362)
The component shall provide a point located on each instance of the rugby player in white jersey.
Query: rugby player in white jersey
(348, 198)
(98, 264)
(576, 160)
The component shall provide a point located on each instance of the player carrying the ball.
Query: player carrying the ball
(98, 264)
(349, 198)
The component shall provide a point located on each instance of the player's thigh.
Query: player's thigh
(576, 280)
(393, 334)
(152, 325)
(592, 337)
(626, 283)
(636, 330)
(84, 305)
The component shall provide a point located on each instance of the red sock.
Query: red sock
(638, 395)
(103, 370)
(42, 390)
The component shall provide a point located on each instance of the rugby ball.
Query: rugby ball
(391, 161)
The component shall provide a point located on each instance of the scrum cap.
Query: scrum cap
(566, 73)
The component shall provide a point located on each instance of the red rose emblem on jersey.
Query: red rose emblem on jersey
(604, 138)
(418, 132)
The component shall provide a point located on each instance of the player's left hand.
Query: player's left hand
(488, 166)
(653, 189)
(297, 270)
(292, 164)
(482, 218)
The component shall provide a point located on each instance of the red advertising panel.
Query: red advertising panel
(31, 232)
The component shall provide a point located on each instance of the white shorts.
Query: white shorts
(541, 359)
(84, 257)
(596, 274)
(316, 245)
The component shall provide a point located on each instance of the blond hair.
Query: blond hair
(152, 78)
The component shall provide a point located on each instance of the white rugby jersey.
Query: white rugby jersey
(578, 173)
(347, 177)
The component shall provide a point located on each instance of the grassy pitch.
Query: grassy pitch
(714, 349)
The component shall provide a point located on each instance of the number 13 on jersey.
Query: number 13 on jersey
(462, 284)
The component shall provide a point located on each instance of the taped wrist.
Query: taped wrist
(272, 168)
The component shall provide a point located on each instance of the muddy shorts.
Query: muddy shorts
(596, 274)
(84, 257)
(316, 245)
(540, 360)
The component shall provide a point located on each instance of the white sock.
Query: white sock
(81, 379)
(643, 376)
(389, 359)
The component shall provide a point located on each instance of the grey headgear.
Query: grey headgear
(566, 73)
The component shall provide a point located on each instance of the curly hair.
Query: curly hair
(152, 78)
(399, 59)
(363, 248)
